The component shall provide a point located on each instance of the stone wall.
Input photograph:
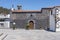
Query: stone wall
(20, 23)
(41, 19)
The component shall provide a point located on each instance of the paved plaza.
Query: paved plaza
(22, 34)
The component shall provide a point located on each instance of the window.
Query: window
(1, 19)
(6, 19)
(58, 24)
(57, 18)
(57, 10)
(2, 24)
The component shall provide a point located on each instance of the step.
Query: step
(3, 36)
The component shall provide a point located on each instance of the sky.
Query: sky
(29, 4)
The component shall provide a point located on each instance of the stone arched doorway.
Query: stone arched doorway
(31, 24)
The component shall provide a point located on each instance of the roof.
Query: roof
(33, 11)
(47, 8)
(30, 11)
(51, 7)
(56, 6)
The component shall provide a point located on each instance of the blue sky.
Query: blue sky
(29, 4)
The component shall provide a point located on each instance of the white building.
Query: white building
(55, 19)
(52, 15)
(4, 20)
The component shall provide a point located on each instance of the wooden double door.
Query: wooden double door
(31, 24)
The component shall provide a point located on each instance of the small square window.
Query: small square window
(2, 24)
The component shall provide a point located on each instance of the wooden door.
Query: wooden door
(31, 25)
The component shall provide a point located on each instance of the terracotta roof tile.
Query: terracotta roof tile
(26, 11)
(48, 8)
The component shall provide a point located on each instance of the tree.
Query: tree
(4, 10)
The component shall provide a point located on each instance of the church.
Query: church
(46, 18)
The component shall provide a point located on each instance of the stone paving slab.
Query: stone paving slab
(22, 34)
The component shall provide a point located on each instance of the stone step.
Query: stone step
(3, 36)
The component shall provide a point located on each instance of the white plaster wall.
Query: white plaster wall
(4, 16)
(52, 23)
(57, 29)
(7, 24)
